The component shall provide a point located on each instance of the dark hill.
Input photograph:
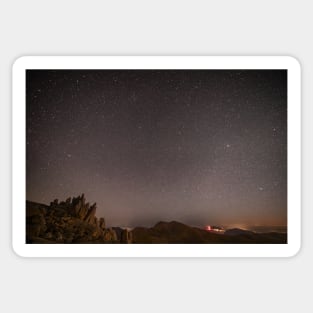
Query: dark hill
(175, 232)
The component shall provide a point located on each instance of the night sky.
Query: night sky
(196, 146)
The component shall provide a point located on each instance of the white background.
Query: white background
(162, 28)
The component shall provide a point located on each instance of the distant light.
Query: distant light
(214, 229)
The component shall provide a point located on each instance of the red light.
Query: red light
(208, 227)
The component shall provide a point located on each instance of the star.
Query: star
(167, 144)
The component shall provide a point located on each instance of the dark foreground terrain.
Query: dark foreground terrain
(74, 221)
(70, 221)
(175, 232)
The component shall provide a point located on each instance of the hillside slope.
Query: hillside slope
(175, 232)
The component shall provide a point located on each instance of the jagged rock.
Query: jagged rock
(89, 218)
(102, 223)
(54, 203)
(72, 221)
(109, 235)
(118, 231)
(79, 208)
(68, 201)
(113, 234)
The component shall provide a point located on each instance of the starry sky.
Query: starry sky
(196, 146)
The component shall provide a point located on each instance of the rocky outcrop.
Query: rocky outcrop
(79, 208)
(126, 236)
(70, 221)
(102, 223)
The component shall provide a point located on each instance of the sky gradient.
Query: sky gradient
(196, 146)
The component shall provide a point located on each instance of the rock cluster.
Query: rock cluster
(70, 221)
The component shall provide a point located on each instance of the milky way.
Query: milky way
(196, 146)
